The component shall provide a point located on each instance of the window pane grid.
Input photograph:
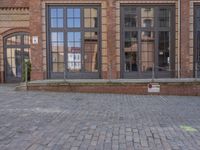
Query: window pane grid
(77, 54)
(57, 18)
(146, 39)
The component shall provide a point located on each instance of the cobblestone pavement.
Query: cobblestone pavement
(62, 121)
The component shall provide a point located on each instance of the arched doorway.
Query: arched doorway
(16, 52)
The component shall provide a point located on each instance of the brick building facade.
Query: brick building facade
(99, 38)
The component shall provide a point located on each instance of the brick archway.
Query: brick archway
(14, 30)
(2, 36)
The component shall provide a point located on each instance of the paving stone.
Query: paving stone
(74, 121)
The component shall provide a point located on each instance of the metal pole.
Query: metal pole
(110, 71)
(179, 38)
(153, 73)
(26, 73)
(196, 71)
(64, 73)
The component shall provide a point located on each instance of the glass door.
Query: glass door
(16, 53)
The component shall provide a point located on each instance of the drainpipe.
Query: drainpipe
(179, 38)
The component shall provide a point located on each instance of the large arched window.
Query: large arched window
(16, 48)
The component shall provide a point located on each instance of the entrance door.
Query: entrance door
(147, 43)
(16, 48)
(74, 47)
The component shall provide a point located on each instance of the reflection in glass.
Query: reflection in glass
(147, 50)
(26, 54)
(73, 18)
(57, 43)
(74, 51)
(26, 39)
(130, 50)
(14, 40)
(57, 18)
(91, 51)
(164, 49)
(81, 39)
(130, 17)
(58, 67)
(164, 17)
(131, 63)
(147, 17)
(90, 18)
(14, 63)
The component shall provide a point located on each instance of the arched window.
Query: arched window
(16, 48)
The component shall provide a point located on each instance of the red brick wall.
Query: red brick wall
(14, 3)
(184, 41)
(181, 89)
(111, 39)
(36, 30)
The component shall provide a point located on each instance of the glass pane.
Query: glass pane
(164, 17)
(131, 63)
(53, 23)
(87, 22)
(26, 54)
(130, 51)
(70, 13)
(94, 12)
(70, 23)
(9, 52)
(131, 40)
(59, 23)
(57, 50)
(147, 12)
(198, 52)
(53, 12)
(164, 49)
(26, 39)
(130, 20)
(147, 17)
(58, 67)
(77, 23)
(91, 52)
(60, 13)
(147, 51)
(77, 13)
(14, 62)
(73, 18)
(14, 40)
(74, 62)
(87, 13)
(74, 51)
(60, 47)
(130, 10)
(58, 57)
(57, 37)
(57, 17)
(91, 67)
(90, 18)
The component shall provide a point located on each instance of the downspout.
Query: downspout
(179, 38)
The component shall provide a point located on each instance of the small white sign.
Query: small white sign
(154, 88)
(35, 39)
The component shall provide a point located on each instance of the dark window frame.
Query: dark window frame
(156, 30)
(196, 42)
(65, 30)
(22, 46)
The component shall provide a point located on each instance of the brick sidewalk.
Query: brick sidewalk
(62, 121)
